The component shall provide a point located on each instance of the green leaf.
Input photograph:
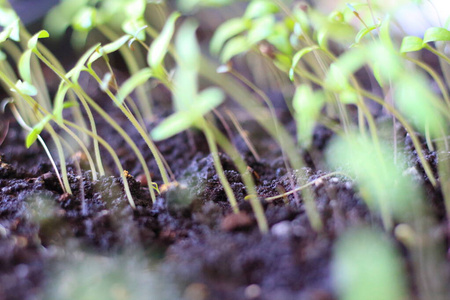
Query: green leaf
(32, 43)
(24, 66)
(302, 22)
(364, 261)
(381, 181)
(260, 8)
(108, 48)
(299, 56)
(261, 29)
(387, 60)
(74, 73)
(280, 39)
(348, 63)
(363, 32)
(183, 120)
(84, 20)
(135, 9)
(413, 98)
(59, 101)
(348, 96)
(11, 31)
(174, 124)
(234, 47)
(104, 85)
(410, 44)
(307, 105)
(322, 38)
(135, 27)
(208, 99)
(37, 129)
(435, 34)
(25, 88)
(131, 83)
(385, 33)
(186, 82)
(226, 31)
(187, 46)
(160, 45)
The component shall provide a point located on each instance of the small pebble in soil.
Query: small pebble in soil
(253, 291)
(236, 221)
(196, 291)
(282, 229)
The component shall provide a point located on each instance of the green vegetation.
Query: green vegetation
(316, 55)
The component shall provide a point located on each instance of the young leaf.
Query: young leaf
(187, 46)
(135, 27)
(174, 124)
(435, 34)
(131, 83)
(24, 66)
(25, 88)
(363, 32)
(280, 39)
(307, 105)
(186, 81)
(261, 29)
(108, 48)
(413, 95)
(366, 266)
(32, 43)
(160, 45)
(234, 47)
(411, 44)
(226, 31)
(84, 20)
(348, 96)
(106, 81)
(58, 105)
(209, 99)
(37, 129)
(387, 60)
(11, 31)
(74, 73)
(260, 8)
(299, 56)
(385, 33)
(182, 120)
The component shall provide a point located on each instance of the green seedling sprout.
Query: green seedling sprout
(191, 114)
(41, 141)
(367, 266)
(382, 183)
(129, 115)
(84, 17)
(248, 101)
(307, 105)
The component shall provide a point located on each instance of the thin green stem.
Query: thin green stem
(77, 88)
(133, 66)
(438, 53)
(247, 100)
(139, 128)
(438, 81)
(247, 178)
(399, 117)
(218, 166)
(113, 155)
